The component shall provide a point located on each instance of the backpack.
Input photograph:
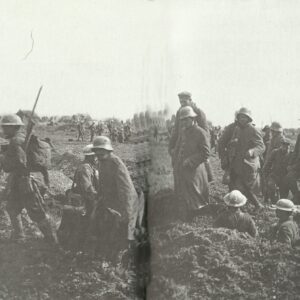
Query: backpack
(38, 154)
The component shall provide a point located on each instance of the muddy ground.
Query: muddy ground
(188, 260)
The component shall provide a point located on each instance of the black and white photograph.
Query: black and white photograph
(149, 149)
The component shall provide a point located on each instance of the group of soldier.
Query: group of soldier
(103, 211)
(105, 208)
(245, 157)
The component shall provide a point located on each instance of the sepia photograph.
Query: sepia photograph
(149, 149)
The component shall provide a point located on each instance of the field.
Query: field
(188, 260)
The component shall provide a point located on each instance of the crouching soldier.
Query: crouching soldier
(118, 201)
(75, 229)
(286, 230)
(233, 217)
(22, 190)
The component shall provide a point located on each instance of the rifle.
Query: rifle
(31, 123)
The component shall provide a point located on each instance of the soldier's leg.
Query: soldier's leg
(14, 207)
(291, 182)
(271, 189)
(34, 204)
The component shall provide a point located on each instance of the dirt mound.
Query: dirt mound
(192, 261)
(66, 163)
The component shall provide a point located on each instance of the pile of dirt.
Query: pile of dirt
(195, 260)
(66, 163)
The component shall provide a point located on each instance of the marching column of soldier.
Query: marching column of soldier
(105, 210)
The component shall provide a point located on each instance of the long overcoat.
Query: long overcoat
(117, 191)
(245, 168)
(191, 182)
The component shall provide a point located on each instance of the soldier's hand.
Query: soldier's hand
(187, 163)
(250, 153)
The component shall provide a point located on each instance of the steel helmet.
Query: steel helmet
(185, 94)
(187, 112)
(245, 111)
(88, 150)
(275, 126)
(235, 199)
(102, 142)
(11, 120)
(285, 204)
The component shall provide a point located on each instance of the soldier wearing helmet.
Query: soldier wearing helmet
(275, 169)
(76, 226)
(292, 179)
(286, 230)
(275, 139)
(117, 213)
(185, 99)
(190, 154)
(246, 146)
(22, 189)
(233, 217)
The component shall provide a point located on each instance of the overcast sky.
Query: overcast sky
(116, 57)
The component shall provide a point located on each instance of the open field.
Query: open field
(189, 260)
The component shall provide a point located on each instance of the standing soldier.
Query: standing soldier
(226, 150)
(22, 190)
(275, 170)
(185, 99)
(118, 206)
(247, 145)
(293, 176)
(275, 139)
(190, 154)
(80, 129)
(92, 131)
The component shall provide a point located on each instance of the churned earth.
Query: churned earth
(188, 260)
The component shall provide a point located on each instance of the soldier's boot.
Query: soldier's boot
(49, 231)
(18, 233)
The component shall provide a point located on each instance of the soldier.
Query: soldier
(190, 154)
(22, 190)
(80, 129)
(92, 131)
(247, 145)
(82, 197)
(233, 217)
(226, 150)
(286, 230)
(267, 134)
(275, 140)
(293, 176)
(117, 211)
(185, 99)
(275, 170)
(127, 130)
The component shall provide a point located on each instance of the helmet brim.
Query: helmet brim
(228, 203)
(108, 148)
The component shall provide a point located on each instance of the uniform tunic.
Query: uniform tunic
(286, 232)
(22, 190)
(237, 220)
(191, 183)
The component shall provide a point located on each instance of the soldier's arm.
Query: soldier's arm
(203, 145)
(269, 162)
(252, 230)
(175, 134)
(85, 181)
(258, 146)
(201, 118)
(284, 235)
(15, 159)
